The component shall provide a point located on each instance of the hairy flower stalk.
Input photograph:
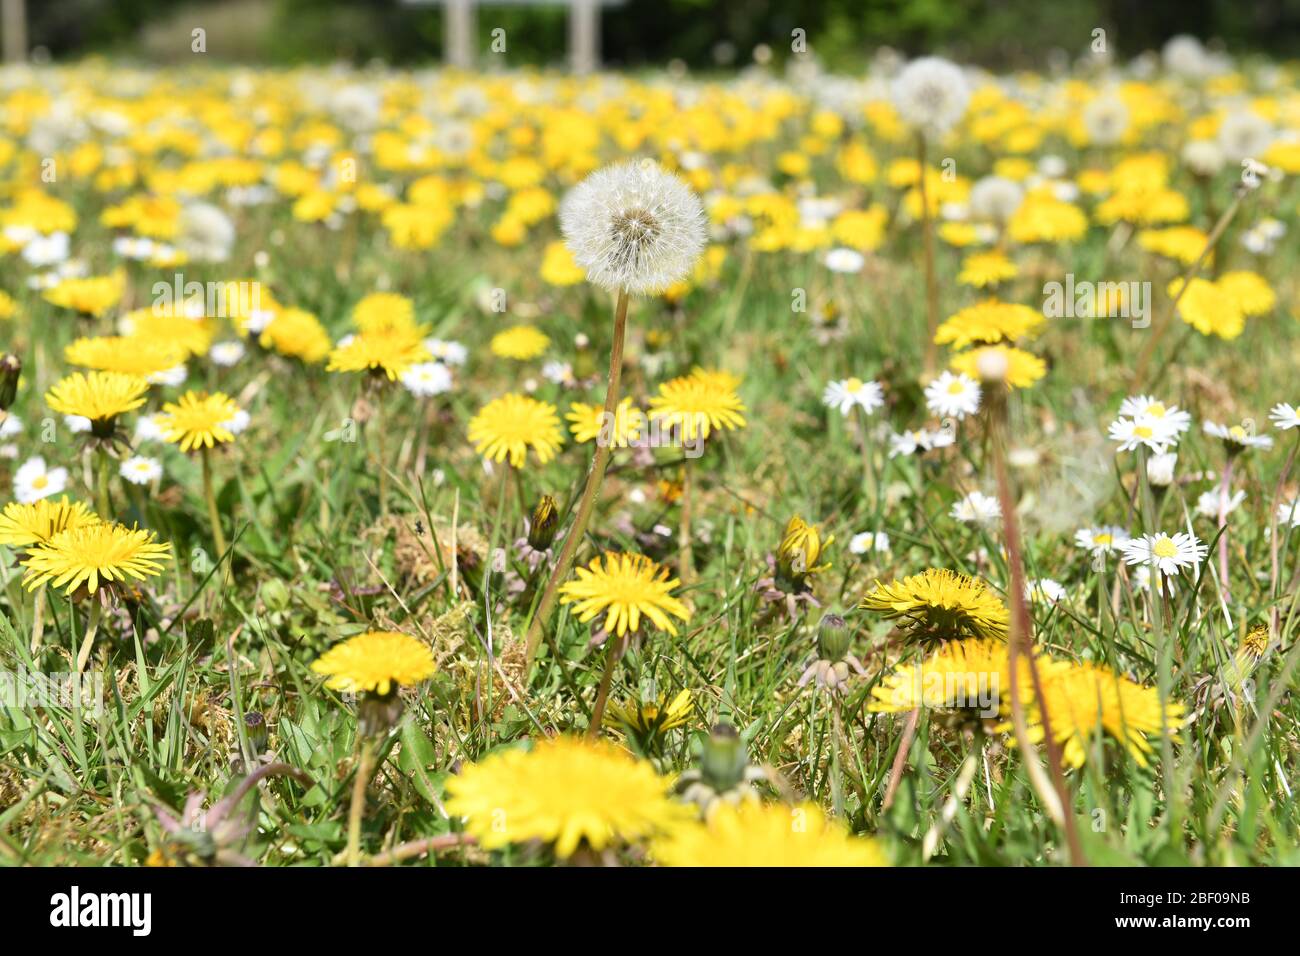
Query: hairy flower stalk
(1054, 792)
(636, 229)
(931, 281)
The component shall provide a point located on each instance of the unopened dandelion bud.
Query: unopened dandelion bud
(801, 546)
(543, 524)
(723, 759)
(833, 637)
(256, 731)
(10, 369)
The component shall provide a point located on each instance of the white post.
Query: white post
(584, 35)
(458, 25)
(13, 22)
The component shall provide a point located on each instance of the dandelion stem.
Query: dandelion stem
(92, 628)
(214, 516)
(38, 617)
(1223, 529)
(103, 503)
(686, 560)
(357, 808)
(613, 651)
(595, 476)
(1273, 591)
(927, 242)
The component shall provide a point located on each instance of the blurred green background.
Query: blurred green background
(702, 33)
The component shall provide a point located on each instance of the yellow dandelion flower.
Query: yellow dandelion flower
(943, 604)
(375, 662)
(699, 403)
(801, 547)
(391, 352)
(988, 322)
(1082, 698)
(565, 792)
(1181, 243)
(298, 334)
(587, 422)
(99, 396)
(984, 269)
(1023, 368)
(175, 326)
(93, 295)
(625, 588)
(1045, 219)
(1209, 309)
(521, 342)
(774, 834)
(384, 312)
(127, 354)
(94, 555)
(511, 425)
(645, 719)
(1249, 291)
(559, 267)
(958, 675)
(36, 523)
(198, 420)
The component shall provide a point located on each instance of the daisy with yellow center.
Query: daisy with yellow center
(98, 396)
(375, 662)
(699, 404)
(522, 342)
(564, 792)
(940, 604)
(1023, 368)
(390, 352)
(22, 525)
(198, 420)
(587, 423)
(774, 834)
(507, 427)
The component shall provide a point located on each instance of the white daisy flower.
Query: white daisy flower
(257, 320)
(977, 508)
(561, 373)
(237, 422)
(148, 429)
(33, 481)
(1044, 591)
(633, 226)
(1207, 503)
(140, 470)
(448, 353)
(10, 426)
(426, 379)
(173, 376)
(1105, 538)
(847, 261)
(953, 396)
(865, 541)
(850, 392)
(1147, 406)
(77, 424)
(1160, 469)
(227, 354)
(1237, 438)
(1167, 553)
(1289, 513)
(1285, 416)
(1154, 433)
(48, 250)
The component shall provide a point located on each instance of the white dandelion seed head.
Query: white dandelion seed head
(633, 226)
(1203, 157)
(931, 94)
(1106, 119)
(995, 198)
(1244, 135)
